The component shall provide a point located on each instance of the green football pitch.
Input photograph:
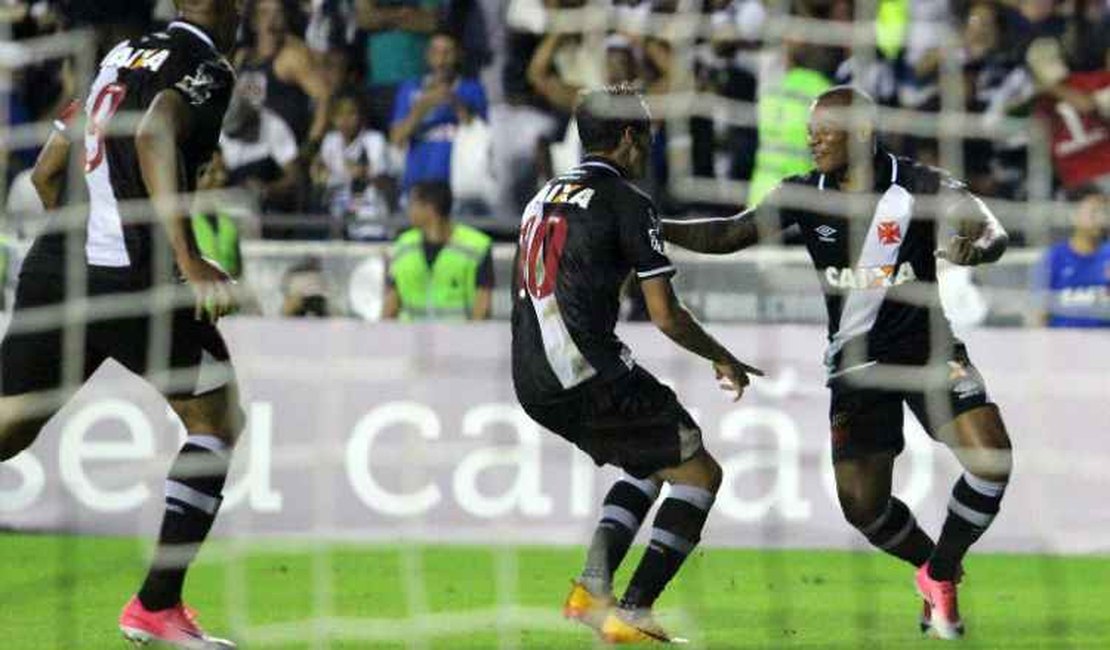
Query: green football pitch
(65, 592)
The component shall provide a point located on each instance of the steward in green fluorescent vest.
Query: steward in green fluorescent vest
(215, 231)
(438, 270)
(783, 114)
(5, 260)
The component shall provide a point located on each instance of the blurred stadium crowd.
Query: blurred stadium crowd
(343, 104)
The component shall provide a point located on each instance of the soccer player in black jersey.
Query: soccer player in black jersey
(580, 238)
(178, 82)
(872, 224)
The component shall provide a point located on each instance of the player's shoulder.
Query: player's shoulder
(921, 178)
(592, 186)
(174, 58)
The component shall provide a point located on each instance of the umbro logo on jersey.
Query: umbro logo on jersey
(826, 233)
(889, 233)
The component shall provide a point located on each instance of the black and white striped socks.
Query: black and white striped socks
(194, 491)
(677, 530)
(974, 504)
(896, 532)
(622, 513)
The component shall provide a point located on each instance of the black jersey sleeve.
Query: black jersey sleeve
(206, 85)
(641, 237)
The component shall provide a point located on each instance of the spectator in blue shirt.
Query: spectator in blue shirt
(1074, 277)
(428, 111)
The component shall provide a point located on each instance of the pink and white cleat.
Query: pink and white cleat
(175, 627)
(940, 603)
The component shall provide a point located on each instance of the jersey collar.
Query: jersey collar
(194, 30)
(594, 162)
(885, 168)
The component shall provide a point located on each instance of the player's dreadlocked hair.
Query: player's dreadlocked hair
(603, 115)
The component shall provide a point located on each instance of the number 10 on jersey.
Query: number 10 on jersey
(542, 239)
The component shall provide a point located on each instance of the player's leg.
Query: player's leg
(867, 436)
(201, 389)
(677, 527)
(676, 531)
(622, 512)
(194, 491)
(33, 375)
(660, 439)
(974, 430)
(863, 488)
(981, 444)
(21, 420)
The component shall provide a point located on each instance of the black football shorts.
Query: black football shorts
(866, 420)
(177, 354)
(633, 422)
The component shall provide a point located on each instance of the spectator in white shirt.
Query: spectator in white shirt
(352, 171)
(261, 154)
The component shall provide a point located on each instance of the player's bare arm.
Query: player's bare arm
(675, 320)
(162, 127)
(723, 235)
(49, 173)
(713, 235)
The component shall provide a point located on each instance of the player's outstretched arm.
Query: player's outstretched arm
(675, 320)
(49, 173)
(165, 124)
(713, 235)
(979, 238)
(722, 235)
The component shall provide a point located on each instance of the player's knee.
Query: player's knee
(858, 511)
(711, 474)
(234, 426)
(17, 435)
(995, 465)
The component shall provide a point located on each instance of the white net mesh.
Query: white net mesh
(388, 493)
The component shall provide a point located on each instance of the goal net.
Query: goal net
(388, 492)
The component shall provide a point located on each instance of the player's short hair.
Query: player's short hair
(602, 116)
(434, 193)
(850, 97)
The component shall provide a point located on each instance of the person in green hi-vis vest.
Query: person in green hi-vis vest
(783, 113)
(216, 232)
(218, 239)
(5, 260)
(439, 270)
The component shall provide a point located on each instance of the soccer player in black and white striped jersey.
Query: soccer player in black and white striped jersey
(179, 81)
(581, 236)
(872, 222)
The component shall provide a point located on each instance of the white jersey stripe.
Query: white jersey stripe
(105, 244)
(643, 275)
(861, 306)
(567, 362)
